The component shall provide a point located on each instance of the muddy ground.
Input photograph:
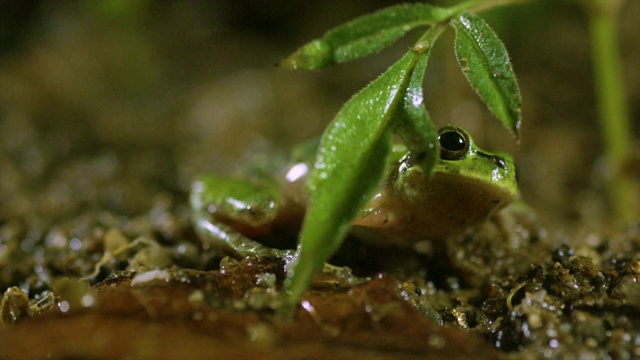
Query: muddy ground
(107, 113)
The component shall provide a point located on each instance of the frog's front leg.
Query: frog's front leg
(227, 211)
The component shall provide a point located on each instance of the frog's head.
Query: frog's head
(490, 173)
(467, 186)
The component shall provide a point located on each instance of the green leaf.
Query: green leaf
(349, 167)
(412, 119)
(365, 35)
(485, 62)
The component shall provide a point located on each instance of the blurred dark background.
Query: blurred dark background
(122, 100)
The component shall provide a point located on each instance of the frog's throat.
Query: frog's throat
(446, 204)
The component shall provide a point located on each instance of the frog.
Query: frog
(468, 185)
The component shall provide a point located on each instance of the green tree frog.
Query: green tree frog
(468, 185)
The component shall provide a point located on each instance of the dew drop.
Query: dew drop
(421, 47)
(87, 300)
(64, 306)
(437, 341)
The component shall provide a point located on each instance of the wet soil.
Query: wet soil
(195, 314)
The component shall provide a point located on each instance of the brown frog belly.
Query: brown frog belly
(436, 209)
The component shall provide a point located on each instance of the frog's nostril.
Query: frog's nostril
(500, 162)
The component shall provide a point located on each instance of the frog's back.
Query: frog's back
(410, 206)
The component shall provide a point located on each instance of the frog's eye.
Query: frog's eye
(454, 143)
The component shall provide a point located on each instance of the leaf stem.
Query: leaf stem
(482, 5)
(613, 113)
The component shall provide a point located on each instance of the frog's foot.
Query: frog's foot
(519, 224)
(218, 202)
(343, 275)
(222, 236)
(330, 275)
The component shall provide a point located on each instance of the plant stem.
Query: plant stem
(481, 5)
(614, 119)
